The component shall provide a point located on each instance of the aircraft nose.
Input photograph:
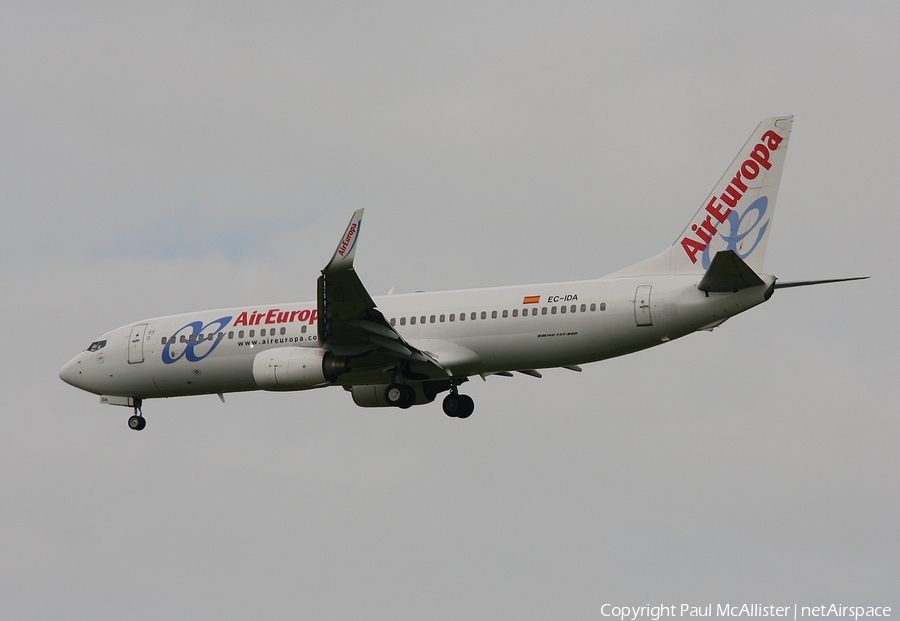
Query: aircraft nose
(70, 373)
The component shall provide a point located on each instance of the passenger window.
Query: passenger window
(534, 311)
(544, 310)
(573, 308)
(252, 333)
(452, 316)
(393, 321)
(220, 336)
(562, 309)
(240, 334)
(283, 331)
(515, 312)
(163, 342)
(462, 316)
(442, 318)
(603, 306)
(553, 310)
(432, 320)
(493, 314)
(303, 329)
(505, 314)
(412, 321)
(230, 334)
(583, 308)
(422, 319)
(403, 321)
(484, 314)
(473, 316)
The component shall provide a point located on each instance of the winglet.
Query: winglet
(346, 248)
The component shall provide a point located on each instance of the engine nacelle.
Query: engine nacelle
(369, 395)
(296, 368)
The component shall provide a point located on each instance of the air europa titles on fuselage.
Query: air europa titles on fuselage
(276, 315)
(193, 347)
(720, 207)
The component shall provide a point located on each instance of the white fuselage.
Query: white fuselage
(473, 331)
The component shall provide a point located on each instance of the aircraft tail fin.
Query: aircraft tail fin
(737, 215)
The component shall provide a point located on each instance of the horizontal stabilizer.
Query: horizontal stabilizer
(728, 273)
(806, 283)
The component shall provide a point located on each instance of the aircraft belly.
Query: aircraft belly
(216, 374)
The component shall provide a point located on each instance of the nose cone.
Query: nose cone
(70, 373)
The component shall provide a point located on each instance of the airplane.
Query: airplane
(404, 350)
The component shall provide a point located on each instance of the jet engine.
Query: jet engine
(296, 368)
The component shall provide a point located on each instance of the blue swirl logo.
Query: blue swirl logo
(734, 237)
(195, 349)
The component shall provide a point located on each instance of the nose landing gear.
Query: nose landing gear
(137, 422)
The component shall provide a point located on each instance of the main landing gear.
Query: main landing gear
(457, 405)
(400, 395)
(137, 422)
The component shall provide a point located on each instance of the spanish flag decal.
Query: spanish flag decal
(532, 299)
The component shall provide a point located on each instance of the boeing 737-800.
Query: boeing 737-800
(404, 350)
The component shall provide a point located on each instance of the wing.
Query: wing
(349, 322)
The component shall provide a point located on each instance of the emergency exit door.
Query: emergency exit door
(642, 306)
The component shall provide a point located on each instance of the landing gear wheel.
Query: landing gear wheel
(400, 395)
(137, 422)
(467, 406)
(451, 405)
(458, 406)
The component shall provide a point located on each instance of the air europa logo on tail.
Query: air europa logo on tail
(720, 207)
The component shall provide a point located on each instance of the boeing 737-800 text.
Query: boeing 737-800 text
(404, 350)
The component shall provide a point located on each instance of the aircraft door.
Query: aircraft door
(642, 306)
(136, 344)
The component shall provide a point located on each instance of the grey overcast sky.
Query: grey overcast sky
(161, 157)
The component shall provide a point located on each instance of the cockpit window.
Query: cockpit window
(96, 345)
